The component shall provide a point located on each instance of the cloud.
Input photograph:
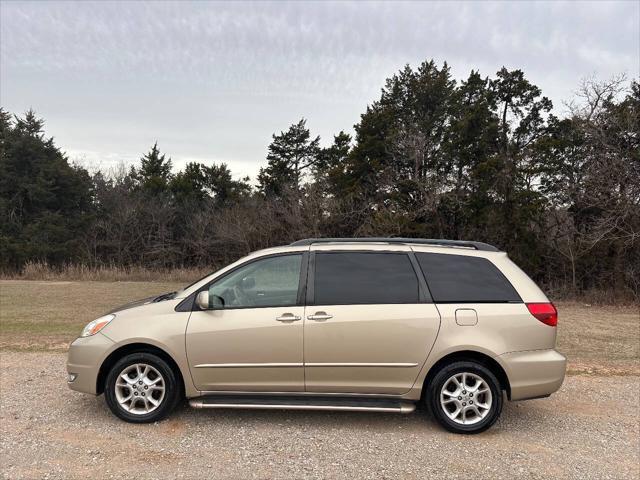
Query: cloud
(216, 79)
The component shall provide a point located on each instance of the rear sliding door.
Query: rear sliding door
(369, 325)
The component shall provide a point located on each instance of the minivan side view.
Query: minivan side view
(368, 324)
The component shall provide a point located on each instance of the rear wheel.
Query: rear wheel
(465, 397)
(141, 388)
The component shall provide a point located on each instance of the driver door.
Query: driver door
(252, 340)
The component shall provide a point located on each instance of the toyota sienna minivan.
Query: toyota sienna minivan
(370, 324)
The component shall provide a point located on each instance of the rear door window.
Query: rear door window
(464, 279)
(352, 278)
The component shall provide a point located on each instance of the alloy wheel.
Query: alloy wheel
(466, 398)
(140, 389)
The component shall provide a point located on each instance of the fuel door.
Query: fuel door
(466, 317)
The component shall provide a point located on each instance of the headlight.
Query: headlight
(98, 324)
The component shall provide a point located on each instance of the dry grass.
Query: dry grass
(47, 315)
(105, 273)
(37, 315)
(600, 339)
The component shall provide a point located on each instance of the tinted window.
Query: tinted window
(271, 282)
(459, 279)
(357, 278)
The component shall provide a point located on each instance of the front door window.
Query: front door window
(270, 282)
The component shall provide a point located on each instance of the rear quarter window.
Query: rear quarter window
(465, 279)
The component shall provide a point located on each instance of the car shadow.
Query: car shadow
(513, 414)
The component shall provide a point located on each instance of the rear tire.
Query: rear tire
(141, 388)
(464, 397)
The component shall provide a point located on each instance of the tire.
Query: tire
(479, 406)
(148, 394)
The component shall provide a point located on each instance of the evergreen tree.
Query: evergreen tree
(188, 186)
(291, 154)
(393, 170)
(468, 171)
(45, 203)
(154, 175)
(523, 114)
(223, 187)
(331, 163)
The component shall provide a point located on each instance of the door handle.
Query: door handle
(320, 316)
(288, 318)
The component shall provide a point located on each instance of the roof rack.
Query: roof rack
(420, 241)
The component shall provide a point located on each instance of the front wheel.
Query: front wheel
(465, 397)
(141, 388)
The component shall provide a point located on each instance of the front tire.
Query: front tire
(141, 388)
(464, 397)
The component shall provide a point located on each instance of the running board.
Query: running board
(357, 404)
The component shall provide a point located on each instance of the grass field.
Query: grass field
(48, 315)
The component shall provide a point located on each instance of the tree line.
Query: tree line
(483, 159)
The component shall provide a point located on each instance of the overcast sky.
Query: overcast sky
(213, 81)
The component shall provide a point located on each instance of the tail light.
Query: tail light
(545, 312)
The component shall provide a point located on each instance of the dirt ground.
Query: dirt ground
(589, 429)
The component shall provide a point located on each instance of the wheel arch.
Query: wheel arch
(127, 349)
(470, 355)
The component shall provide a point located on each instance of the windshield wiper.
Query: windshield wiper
(165, 296)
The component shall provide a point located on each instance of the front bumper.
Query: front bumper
(84, 360)
(535, 373)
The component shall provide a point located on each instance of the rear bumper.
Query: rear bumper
(535, 373)
(84, 360)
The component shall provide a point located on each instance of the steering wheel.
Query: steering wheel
(241, 296)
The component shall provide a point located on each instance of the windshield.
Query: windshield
(208, 275)
(197, 281)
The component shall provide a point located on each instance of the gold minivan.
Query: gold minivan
(369, 324)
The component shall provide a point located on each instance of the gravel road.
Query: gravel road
(590, 429)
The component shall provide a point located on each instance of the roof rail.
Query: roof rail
(420, 241)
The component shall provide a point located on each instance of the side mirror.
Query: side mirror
(206, 302)
(202, 300)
